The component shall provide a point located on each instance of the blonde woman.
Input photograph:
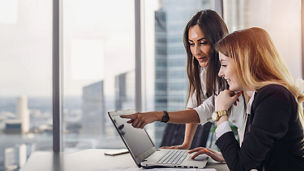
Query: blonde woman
(273, 138)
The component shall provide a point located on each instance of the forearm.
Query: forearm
(190, 132)
(179, 117)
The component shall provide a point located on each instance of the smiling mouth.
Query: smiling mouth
(203, 59)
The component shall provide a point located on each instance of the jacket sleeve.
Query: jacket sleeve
(271, 109)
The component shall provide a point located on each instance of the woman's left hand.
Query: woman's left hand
(217, 156)
(225, 99)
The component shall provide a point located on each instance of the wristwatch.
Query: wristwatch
(218, 114)
(165, 118)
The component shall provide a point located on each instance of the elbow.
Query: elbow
(196, 118)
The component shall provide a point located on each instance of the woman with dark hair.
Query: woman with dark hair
(201, 33)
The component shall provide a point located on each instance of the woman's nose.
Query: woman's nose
(220, 73)
(197, 50)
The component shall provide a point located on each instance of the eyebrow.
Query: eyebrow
(199, 39)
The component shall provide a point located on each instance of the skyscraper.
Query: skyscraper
(170, 56)
(23, 114)
(10, 162)
(93, 113)
(161, 90)
(125, 91)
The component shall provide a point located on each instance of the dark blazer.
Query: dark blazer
(273, 138)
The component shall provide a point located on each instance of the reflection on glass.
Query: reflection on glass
(26, 82)
(26, 126)
(171, 82)
(98, 55)
(136, 139)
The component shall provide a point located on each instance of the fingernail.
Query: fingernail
(239, 93)
(205, 150)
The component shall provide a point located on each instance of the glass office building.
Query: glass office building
(97, 65)
(125, 91)
(93, 110)
(171, 82)
(170, 56)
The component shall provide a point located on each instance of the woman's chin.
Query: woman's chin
(231, 88)
(234, 89)
(203, 64)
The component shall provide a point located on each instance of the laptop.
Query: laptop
(143, 150)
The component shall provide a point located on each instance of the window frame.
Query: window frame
(57, 141)
(57, 64)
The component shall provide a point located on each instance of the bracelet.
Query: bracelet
(165, 118)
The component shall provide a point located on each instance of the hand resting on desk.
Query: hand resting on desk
(217, 156)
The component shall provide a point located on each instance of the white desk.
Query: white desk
(87, 160)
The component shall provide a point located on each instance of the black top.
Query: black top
(273, 138)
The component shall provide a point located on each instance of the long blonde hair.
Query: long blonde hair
(258, 62)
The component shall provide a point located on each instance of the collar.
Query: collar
(248, 110)
(203, 68)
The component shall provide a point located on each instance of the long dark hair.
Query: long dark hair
(214, 29)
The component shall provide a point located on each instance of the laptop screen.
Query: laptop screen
(137, 140)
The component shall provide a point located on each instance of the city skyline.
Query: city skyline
(98, 49)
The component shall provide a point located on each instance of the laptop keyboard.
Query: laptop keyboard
(173, 157)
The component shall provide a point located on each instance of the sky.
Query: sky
(98, 44)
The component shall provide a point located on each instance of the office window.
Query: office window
(26, 80)
(98, 70)
(166, 81)
(281, 19)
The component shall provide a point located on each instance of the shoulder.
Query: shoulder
(274, 90)
(274, 93)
